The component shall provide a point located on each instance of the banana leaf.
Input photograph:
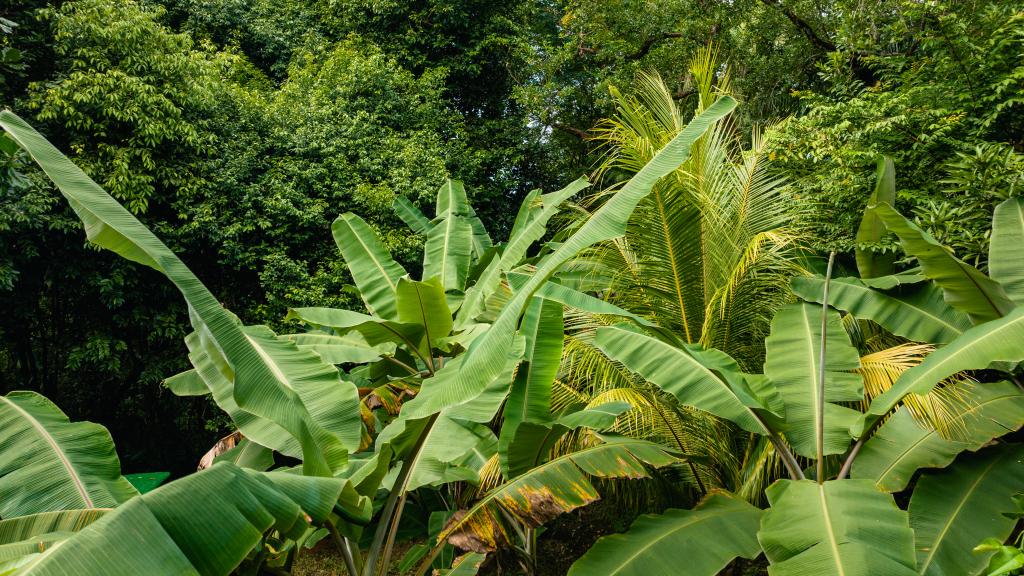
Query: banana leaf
(375, 273)
(25, 535)
(48, 463)
(206, 523)
(838, 528)
(963, 286)
(953, 510)
(918, 313)
(792, 365)
(679, 373)
(1006, 250)
(704, 540)
(872, 264)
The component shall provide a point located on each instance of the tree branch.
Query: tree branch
(648, 44)
(823, 44)
(860, 70)
(581, 134)
(645, 48)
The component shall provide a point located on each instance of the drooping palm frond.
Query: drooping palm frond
(940, 409)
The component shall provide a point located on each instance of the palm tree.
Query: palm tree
(708, 255)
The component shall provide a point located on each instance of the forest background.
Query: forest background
(238, 130)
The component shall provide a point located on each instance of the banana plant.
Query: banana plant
(836, 513)
(66, 504)
(381, 403)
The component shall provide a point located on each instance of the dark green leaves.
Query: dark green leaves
(954, 510)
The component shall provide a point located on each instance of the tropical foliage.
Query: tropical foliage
(730, 348)
(285, 394)
(835, 514)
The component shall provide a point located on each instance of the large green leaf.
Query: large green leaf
(530, 225)
(793, 366)
(452, 200)
(48, 463)
(870, 263)
(217, 376)
(995, 341)
(953, 510)
(703, 540)
(585, 302)
(332, 403)
(256, 384)
(24, 535)
(424, 303)
(530, 397)
(1006, 251)
(375, 331)
(918, 313)
(902, 446)
(345, 349)
(555, 487)
(838, 528)
(206, 523)
(485, 357)
(411, 215)
(449, 252)
(679, 373)
(963, 286)
(372, 268)
(540, 210)
(530, 443)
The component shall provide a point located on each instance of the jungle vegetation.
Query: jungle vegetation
(473, 287)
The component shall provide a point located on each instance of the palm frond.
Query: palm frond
(940, 409)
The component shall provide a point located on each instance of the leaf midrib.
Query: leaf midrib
(830, 530)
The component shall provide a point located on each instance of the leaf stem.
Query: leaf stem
(820, 408)
(346, 552)
(387, 516)
(856, 449)
(401, 364)
(792, 466)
